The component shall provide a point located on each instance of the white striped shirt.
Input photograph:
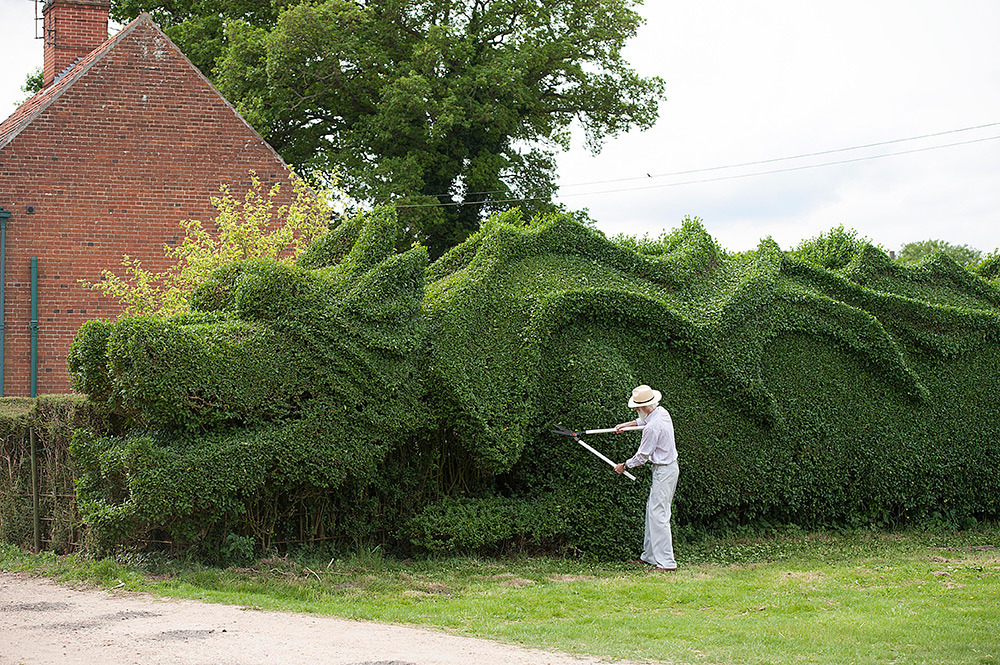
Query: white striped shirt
(657, 445)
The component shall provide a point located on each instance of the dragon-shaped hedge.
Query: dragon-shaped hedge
(365, 394)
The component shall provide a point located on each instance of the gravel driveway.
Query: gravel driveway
(42, 622)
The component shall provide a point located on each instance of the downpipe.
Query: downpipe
(34, 326)
(4, 216)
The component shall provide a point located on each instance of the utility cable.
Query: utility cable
(707, 180)
(783, 159)
(743, 164)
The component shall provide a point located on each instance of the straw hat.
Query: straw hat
(644, 396)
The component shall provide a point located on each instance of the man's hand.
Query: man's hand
(620, 468)
(621, 426)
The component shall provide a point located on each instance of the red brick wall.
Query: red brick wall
(73, 28)
(137, 144)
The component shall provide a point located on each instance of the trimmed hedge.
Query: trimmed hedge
(296, 384)
(799, 393)
(389, 399)
(496, 524)
(53, 418)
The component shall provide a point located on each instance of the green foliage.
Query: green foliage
(486, 525)
(833, 250)
(963, 255)
(690, 237)
(198, 26)
(989, 267)
(798, 393)
(296, 384)
(53, 420)
(87, 360)
(252, 228)
(378, 395)
(32, 83)
(331, 248)
(449, 108)
(199, 373)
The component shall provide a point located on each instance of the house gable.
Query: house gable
(105, 162)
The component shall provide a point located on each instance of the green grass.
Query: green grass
(790, 598)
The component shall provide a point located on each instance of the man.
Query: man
(656, 447)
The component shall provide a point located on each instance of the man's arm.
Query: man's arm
(621, 426)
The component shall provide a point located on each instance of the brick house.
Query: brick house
(126, 139)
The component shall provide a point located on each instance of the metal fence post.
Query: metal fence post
(36, 514)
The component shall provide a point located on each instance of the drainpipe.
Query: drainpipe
(34, 326)
(4, 216)
(34, 392)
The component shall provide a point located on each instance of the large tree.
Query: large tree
(453, 109)
(198, 27)
(963, 255)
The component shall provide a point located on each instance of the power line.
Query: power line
(793, 168)
(734, 166)
(721, 178)
(783, 159)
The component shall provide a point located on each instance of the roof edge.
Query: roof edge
(66, 80)
(56, 90)
(222, 97)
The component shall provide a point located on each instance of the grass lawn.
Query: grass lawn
(864, 597)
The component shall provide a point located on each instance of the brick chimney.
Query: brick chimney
(73, 28)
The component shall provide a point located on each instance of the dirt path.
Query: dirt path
(44, 623)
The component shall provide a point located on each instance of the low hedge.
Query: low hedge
(494, 524)
(53, 418)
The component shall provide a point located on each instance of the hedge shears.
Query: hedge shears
(559, 429)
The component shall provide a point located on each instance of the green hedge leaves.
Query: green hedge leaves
(289, 384)
(376, 397)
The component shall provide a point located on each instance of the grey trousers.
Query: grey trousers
(658, 544)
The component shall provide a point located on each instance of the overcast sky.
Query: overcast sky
(756, 80)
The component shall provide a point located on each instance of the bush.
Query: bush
(252, 228)
(799, 393)
(833, 250)
(989, 268)
(53, 419)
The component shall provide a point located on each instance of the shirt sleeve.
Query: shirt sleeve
(646, 445)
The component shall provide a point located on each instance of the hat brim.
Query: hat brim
(657, 395)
